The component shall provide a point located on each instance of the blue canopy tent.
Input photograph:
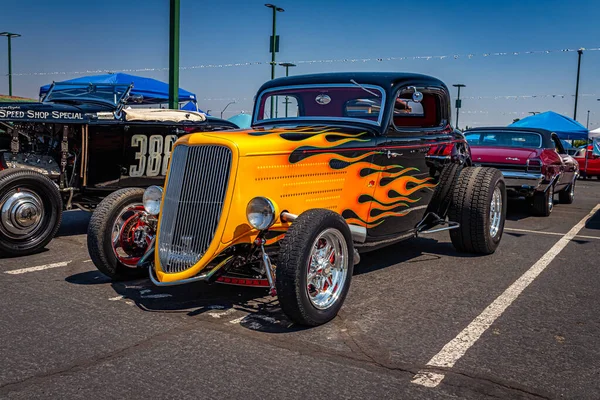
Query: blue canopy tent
(152, 90)
(565, 127)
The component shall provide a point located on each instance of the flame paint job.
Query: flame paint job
(337, 168)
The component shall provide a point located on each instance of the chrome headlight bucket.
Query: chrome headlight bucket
(151, 199)
(260, 213)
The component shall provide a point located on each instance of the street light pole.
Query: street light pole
(274, 45)
(579, 52)
(287, 66)
(228, 104)
(9, 36)
(174, 55)
(587, 125)
(458, 102)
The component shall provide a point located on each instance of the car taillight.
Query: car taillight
(534, 165)
(441, 150)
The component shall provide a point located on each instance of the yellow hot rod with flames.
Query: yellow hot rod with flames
(334, 165)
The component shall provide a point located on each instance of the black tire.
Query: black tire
(442, 196)
(567, 196)
(99, 237)
(543, 202)
(20, 244)
(471, 204)
(292, 266)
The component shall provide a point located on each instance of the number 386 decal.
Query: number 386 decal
(153, 154)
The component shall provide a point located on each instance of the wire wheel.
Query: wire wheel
(130, 239)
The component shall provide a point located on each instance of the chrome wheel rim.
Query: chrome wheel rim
(496, 212)
(130, 236)
(550, 198)
(572, 191)
(21, 213)
(327, 269)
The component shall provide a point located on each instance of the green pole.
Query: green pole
(174, 55)
(9, 36)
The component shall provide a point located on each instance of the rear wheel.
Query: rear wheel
(442, 196)
(314, 267)
(30, 211)
(568, 195)
(479, 206)
(118, 235)
(543, 202)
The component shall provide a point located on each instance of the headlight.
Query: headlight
(260, 213)
(151, 199)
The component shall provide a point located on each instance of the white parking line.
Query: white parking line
(458, 346)
(222, 313)
(38, 268)
(550, 233)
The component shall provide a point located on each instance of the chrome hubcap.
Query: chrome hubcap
(550, 198)
(495, 212)
(130, 235)
(572, 191)
(327, 268)
(21, 213)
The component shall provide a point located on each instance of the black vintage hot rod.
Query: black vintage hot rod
(80, 143)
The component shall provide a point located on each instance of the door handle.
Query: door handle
(391, 154)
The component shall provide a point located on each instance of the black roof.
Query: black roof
(546, 134)
(386, 80)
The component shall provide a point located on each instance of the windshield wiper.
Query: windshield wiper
(364, 88)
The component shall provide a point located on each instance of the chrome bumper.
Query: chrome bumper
(524, 180)
(156, 282)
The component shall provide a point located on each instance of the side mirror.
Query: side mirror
(417, 96)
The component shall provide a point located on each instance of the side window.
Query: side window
(473, 138)
(409, 114)
(558, 145)
(283, 106)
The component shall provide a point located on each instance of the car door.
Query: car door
(593, 162)
(406, 182)
(568, 167)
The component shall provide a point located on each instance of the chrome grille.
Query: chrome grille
(194, 196)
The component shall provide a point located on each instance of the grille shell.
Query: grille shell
(193, 203)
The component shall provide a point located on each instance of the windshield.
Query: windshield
(322, 102)
(505, 139)
(86, 92)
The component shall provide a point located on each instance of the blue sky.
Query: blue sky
(69, 35)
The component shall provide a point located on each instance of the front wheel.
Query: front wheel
(119, 234)
(543, 202)
(31, 211)
(479, 206)
(314, 267)
(567, 196)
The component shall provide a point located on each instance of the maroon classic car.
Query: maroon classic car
(533, 161)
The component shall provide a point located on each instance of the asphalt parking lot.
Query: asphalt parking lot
(421, 321)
